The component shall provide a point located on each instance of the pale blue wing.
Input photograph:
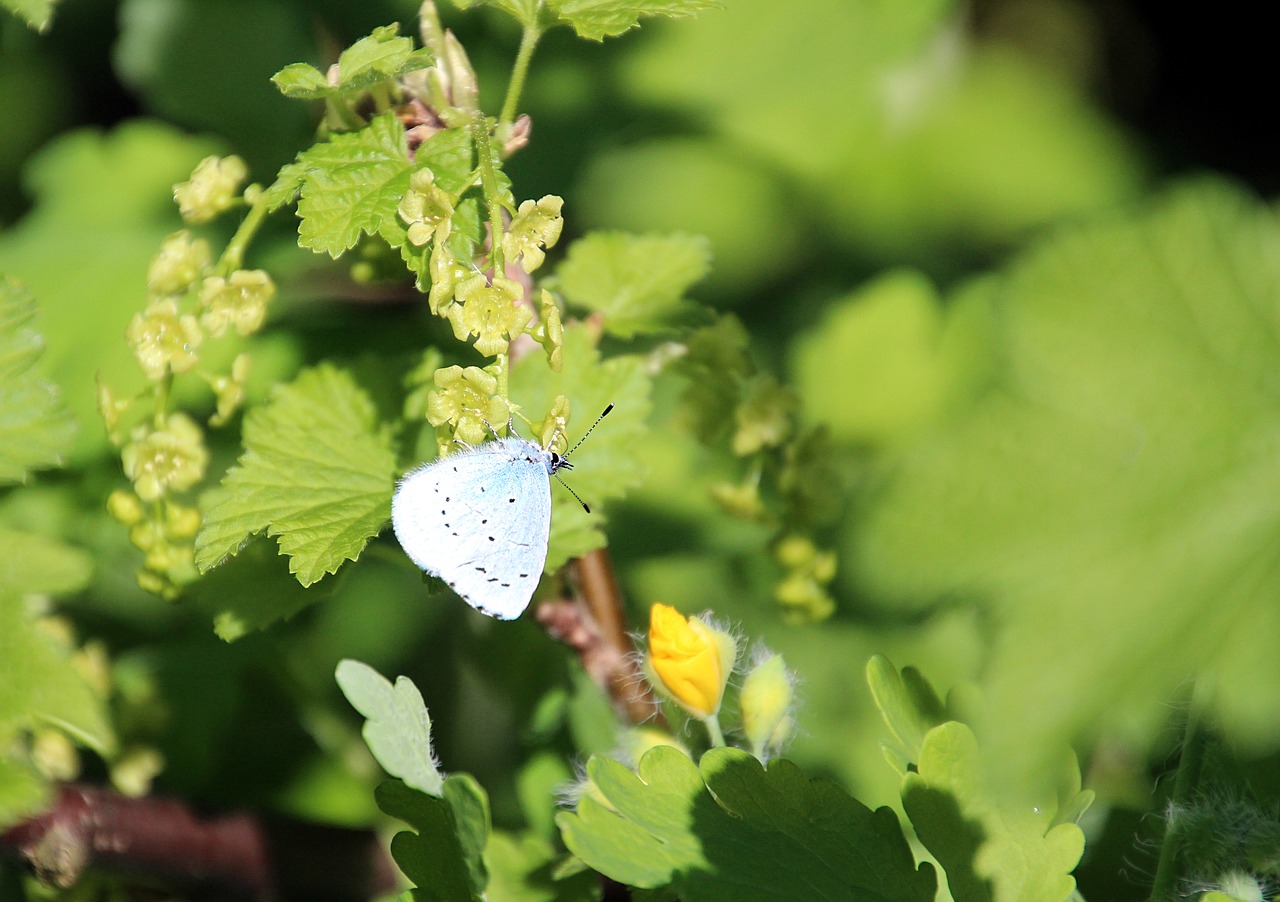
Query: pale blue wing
(479, 520)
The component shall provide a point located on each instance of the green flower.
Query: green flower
(493, 313)
(240, 300)
(550, 332)
(162, 340)
(534, 227)
(553, 433)
(446, 274)
(427, 209)
(212, 188)
(229, 390)
(465, 400)
(178, 265)
(171, 459)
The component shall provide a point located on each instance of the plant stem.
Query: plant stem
(233, 256)
(489, 185)
(714, 732)
(1195, 742)
(519, 70)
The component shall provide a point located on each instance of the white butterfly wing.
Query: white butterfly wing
(479, 520)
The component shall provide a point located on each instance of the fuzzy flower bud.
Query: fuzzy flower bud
(178, 265)
(492, 313)
(465, 399)
(212, 188)
(159, 461)
(536, 225)
(766, 701)
(239, 301)
(162, 340)
(689, 660)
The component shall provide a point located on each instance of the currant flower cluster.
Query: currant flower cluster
(191, 298)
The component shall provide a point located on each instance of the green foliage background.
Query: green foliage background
(1048, 378)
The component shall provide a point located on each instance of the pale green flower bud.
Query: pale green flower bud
(212, 188)
(239, 301)
(164, 341)
(178, 265)
(766, 702)
(160, 461)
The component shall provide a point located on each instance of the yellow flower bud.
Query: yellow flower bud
(767, 696)
(690, 660)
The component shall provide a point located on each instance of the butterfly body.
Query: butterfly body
(479, 519)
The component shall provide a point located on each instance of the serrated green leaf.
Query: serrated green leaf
(316, 473)
(600, 19)
(302, 82)
(397, 727)
(351, 185)
(637, 281)
(35, 429)
(381, 56)
(1113, 497)
(523, 11)
(604, 467)
(444, 859)
(37, 13)
(989, 850)
(734, 830)
(251, 592)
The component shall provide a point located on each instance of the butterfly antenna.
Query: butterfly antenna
(572, 492)
(584, 437)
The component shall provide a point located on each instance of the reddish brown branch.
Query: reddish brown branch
(595, 627)
(162, 842)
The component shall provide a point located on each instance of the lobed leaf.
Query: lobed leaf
(445, 857)
(637, 281)
(316, 473)
(397, 727)
(35, 428)
(350, 185)
(731, 829)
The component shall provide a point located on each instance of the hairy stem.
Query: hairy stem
(519, 71)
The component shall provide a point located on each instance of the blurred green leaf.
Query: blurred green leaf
(604, 468)
(111, 196)
(252, 591)
(397, 727)
(600, 19)
(637, 281)
(37, 13)
(316, 473)
(734, 830)
(39, 683)
(445, 858)
(351, 185)
(522, 869)
(1111, 498)
(888, 359)
(35, 428)
(22, 791)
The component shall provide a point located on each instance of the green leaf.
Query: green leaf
(445, 858)
(604, 467)
(734, 830)
(522, 869)
(351, 185)
(251, 592)
(600, 19)
(316, 473)
(37, 13)
(381, 56)
(1111, 499)
(35, 429)
(109, 191)
(523, 11)
(988, 850)
(637, 281)
(888, 360)
(39, 683)
(302, 82)
(398, 727)
(23, 791)
(991, 843)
